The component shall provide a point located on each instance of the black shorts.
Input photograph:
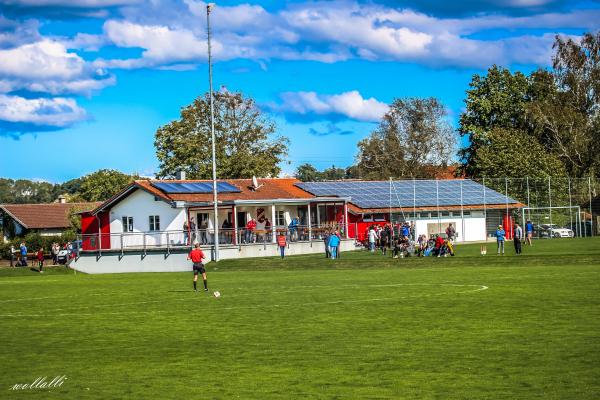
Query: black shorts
(199, 268)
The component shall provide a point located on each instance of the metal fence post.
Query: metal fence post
(528, 203)
(484, 210)
(550, 206)
(570, 204)
(591, 211)
(462, 212)
(437, 203)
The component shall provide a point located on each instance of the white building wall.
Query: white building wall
(141, 205)
(114, 262)
(472, 230)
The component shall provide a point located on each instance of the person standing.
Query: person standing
(268, 229)
(450, 233)
(250, 227)
(192, 231)
(197, 256)
(23, 253)
(293, 229)
(326, 242)
(55, 249)
(338, 248)
(517, 238)
(372, 239)
(384, 240)
(281, 243)
(334, 242)
(186, 233)
(405, 230)
(529, 232)
(500, 236)
(40, 259)
(227, 231)
(12, 255)
(203, 229)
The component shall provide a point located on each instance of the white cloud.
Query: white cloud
(349, 105)
(172, 32)
(57, 112)
(161, 44)
(46, 66)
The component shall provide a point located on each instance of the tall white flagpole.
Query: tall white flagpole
(209, 8)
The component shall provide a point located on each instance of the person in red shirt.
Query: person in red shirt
(197, 256)
(281, 242)
(40, 258)
(439, 245)
(250, 227)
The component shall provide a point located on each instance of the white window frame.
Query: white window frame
(154, 223)
(280, 218)
(127, 223)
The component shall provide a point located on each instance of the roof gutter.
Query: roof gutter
(268, 201)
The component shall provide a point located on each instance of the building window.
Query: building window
(379, 217)
(154, 223)
(127, 224)
(445, 213)
(280, 218)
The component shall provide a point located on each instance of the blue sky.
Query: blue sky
(85, 84)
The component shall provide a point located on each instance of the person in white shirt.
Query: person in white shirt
(372, 239)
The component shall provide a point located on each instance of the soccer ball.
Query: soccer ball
(217, 294)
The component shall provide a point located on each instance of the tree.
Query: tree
(567, 117)
(333, 174)
(496, 100)
(308, 173)
(72, 186)
(560, 109)
(244, 142)
(103, 184)
(413, 139)
(512, 153)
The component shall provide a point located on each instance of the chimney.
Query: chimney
(62, 199)
(180, 175)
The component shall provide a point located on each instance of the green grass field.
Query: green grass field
(364, 326)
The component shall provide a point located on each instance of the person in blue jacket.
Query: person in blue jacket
(293, 227)
(529, 232)
(23, 252)
(334, 242)
(500, 236)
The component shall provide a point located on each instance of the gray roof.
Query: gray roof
(409, 193)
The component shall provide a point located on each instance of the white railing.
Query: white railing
(178, 239)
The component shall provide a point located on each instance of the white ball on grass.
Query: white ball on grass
(217, 294)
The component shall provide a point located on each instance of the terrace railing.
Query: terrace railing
(180, 239)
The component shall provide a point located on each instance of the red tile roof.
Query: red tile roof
(272, 188)
(269, 189)
(44, 216)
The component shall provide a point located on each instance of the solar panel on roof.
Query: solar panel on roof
(409, 193)
(194, 187)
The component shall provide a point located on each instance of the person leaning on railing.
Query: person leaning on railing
(227, 231)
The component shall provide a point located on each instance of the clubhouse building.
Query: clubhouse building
(165, 217)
